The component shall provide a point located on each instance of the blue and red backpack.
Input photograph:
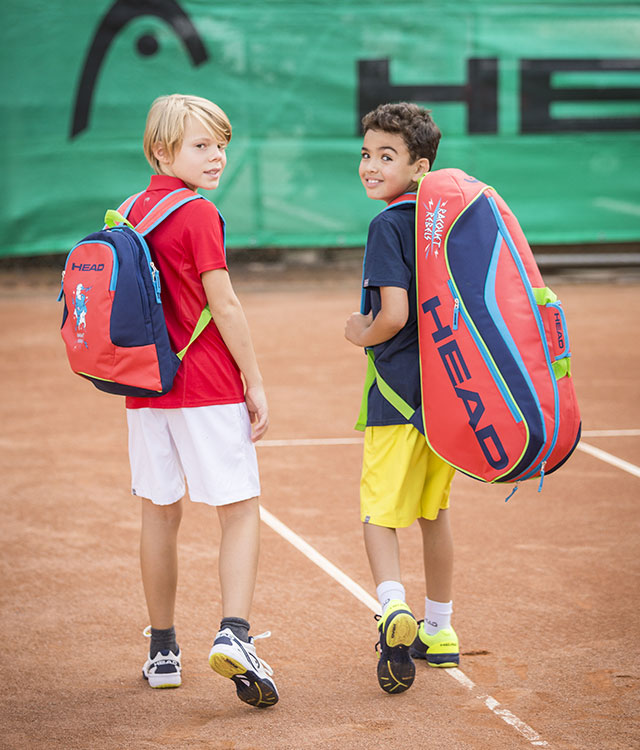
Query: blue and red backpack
(113, 324)
(498, 400)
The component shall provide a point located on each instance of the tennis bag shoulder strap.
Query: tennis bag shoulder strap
(113, 324)
(498, 398)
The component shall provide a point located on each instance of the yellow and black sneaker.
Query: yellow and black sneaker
(439, 650)
(398, 631)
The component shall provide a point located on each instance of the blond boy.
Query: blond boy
(201, 434)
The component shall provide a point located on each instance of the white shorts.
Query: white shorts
(209, 446)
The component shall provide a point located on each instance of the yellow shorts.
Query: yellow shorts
(402, 478)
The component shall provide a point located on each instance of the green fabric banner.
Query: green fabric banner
(540, 100)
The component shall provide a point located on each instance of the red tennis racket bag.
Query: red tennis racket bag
(498, 398)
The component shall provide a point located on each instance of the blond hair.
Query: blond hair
(166, 123)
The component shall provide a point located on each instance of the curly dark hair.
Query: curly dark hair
(413, 123)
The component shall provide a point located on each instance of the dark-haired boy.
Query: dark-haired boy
(402, 479)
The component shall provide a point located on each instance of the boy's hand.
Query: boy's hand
(365, 330)
(356, 325)
(258, 411)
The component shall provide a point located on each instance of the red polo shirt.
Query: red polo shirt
(183, 246)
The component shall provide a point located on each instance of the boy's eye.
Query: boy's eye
(364, 155)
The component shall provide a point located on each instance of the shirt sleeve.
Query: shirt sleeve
(384, 263)
(203, 235)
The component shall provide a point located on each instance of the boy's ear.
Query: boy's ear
(422, 167)
(160, 153)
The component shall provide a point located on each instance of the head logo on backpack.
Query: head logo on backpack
(113, 325)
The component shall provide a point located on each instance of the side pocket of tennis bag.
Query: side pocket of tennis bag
(569, 423)
(546, 354)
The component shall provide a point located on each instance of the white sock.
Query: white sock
(389, 590)
(437, 615)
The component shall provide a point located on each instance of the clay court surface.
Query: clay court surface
(547, 586)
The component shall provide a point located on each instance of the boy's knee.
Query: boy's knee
(164, 514)
(243, 509)
(428, 524)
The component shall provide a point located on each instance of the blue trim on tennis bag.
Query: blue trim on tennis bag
(113, 324)
(498, 399)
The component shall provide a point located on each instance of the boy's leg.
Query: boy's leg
(437, 641)
(159, 566)
(437, 546)
(238, 556)
(397, 626)
(390, 498)
(233, 653)
(159, 560)
(381, 544)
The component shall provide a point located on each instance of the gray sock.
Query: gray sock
(163, 640)
(238, 626)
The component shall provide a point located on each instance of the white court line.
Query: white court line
(354, 588)
(609, 458)
(308, 551)
(619, 463)
(610, 433)
(357, 440)
(309, 441)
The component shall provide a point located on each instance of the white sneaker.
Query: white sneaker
(237, 660)
(164, 670)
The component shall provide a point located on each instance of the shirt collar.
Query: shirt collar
(165, 182)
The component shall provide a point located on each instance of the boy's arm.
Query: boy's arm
(365, 330)
(229, 317)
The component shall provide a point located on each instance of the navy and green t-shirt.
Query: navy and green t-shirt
(389, 260)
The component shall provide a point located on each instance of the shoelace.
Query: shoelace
(147, 634)
(377, 647)
(263, 663)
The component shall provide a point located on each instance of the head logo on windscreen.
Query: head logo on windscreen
(117, 17)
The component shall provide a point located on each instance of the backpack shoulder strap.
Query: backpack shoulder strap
(126, 206)
(164, 208)
(159, 213)
(373, 376)
(119, 216)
